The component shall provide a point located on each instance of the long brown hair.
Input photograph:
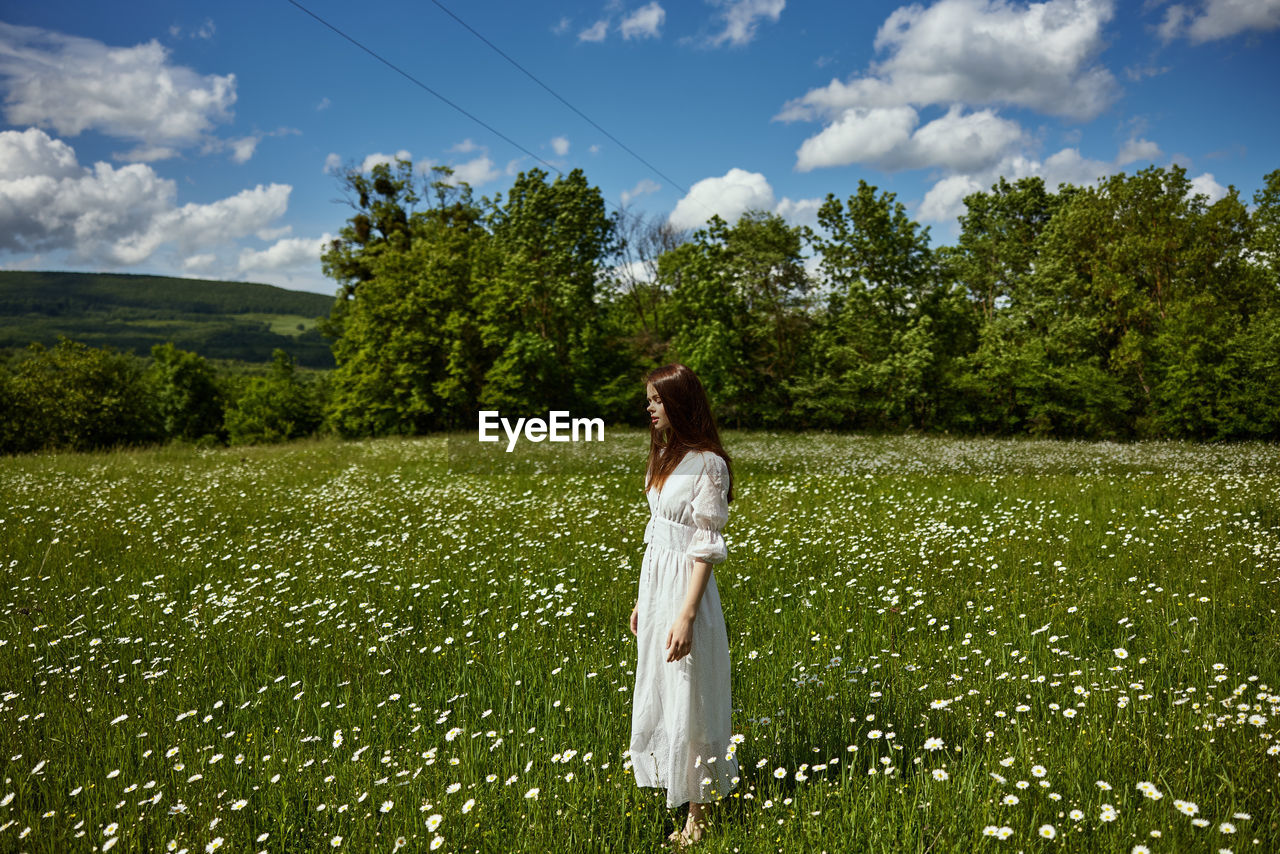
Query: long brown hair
(693, 427)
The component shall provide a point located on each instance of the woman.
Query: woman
(681, 717)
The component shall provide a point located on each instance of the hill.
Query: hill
(219, 320)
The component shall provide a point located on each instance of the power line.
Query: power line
(558, 97)
(427, 88)
(618, 208)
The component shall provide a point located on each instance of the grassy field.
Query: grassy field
(938, 645)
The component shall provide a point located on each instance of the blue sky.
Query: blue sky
(203, 139)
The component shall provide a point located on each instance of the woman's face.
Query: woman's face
(657, 414)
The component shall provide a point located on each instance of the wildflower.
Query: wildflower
(336, 842)
(433, 821)
(1009, 800)
(874, 734)
(940, 775)
(1121, 653)
(240, 804)
(386, 806)
(933, 744)
(1075, 815)
(466, 808)
(1186, 807)
(1149, 789)
(1048, 831)
(1227, 827)
(214, 845)
(780, 772)
(1108, 813)
(437, 842)
(1038, 771)
(532, 793)
(337, 738)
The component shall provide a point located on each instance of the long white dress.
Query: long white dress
(681, 714)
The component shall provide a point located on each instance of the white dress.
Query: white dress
(681, 713)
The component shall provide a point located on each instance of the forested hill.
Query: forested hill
(218, 320)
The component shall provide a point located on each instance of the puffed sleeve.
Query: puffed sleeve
(710, 511)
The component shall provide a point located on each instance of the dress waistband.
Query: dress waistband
(669, 534)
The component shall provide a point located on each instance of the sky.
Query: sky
(207, 140)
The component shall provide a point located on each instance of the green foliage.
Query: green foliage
(187, 398)
(218, 320)
(274, 408)
(75, 396)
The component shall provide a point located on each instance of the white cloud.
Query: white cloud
(1219, 19)
(1206, 185)
(561, 27)
(644, 187)
(1041, 56)
(800, 211)
(560, 145)
(884, 137)
(332, 163)
(71, 84)
(475, 172)
(373, 160)
(730, 196)
(595, 33)
(324, 104)
(287, 254)
(945, 200)
(465, 147)
(643, 23)
(110, 216)
(242, 149)
(742, 17)
(1138, 150)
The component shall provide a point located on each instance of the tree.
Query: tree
(187, 397)
(537, 303)
(409, 354)
(274, 408)
(880, 362)
(78, 397)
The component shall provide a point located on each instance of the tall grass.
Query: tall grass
(423, 643)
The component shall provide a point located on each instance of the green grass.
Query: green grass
(459, 614)
(219, 320)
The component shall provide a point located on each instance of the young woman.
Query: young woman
(681, 717)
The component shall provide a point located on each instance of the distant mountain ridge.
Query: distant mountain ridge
(219, 320)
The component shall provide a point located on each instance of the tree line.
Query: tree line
(1132, 309)
(1135, 308)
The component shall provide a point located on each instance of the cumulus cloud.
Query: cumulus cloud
(1206, 185)
(1219, 19)
(291, 253)
(730, 196)
(887, 137)
(799, 211)
(595, 33)
(113, 216)
(373, 160)
(643, 23)
(480, 170)
(71, 84)
(332, 163)
(945, 200)
(642, 188)
(1042, 56)
(560, 145)
(742, 17)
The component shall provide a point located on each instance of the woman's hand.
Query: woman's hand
(680, 638)
(635, 616)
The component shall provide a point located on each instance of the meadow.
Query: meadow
(938, 644)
